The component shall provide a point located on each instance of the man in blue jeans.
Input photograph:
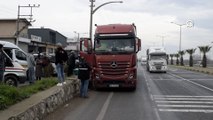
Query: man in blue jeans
(84, 76)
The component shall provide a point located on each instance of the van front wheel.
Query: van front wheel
(11, 80)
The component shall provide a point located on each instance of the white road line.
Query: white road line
(188, 79)
(200, 85)
(151, 96)
(188, 102)
(186, 110)
(187, 106)
(168, 79)
(192, 82)
(192, 99)
(180, 96)
(104, 108)
(157, 114)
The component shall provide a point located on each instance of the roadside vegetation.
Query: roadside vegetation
(203, 49)
(10, 95)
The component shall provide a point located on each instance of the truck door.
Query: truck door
(86, 50)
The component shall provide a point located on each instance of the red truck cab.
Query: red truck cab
(114, 56)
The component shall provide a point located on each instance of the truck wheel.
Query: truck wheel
(11, 80)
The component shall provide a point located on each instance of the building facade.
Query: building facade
(38, 39)
(16, 32)
(45, 39)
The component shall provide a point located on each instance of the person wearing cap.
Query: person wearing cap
(2, 63)
(84, 76)
(60, 58)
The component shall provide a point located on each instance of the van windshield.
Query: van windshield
(20, 55)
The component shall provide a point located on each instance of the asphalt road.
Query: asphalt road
(175, 95)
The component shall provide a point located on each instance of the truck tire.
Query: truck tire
(11, 80)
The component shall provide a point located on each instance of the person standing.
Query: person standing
(84, 76)
(39, 68)
(31, 67)
(71, 63)
(2, 63)
(60, 58)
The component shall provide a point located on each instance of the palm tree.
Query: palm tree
(190, 52)
(181, 57)
(171, 56)
(204, 50)
(177, 60)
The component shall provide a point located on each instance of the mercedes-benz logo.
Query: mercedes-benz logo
(113, 64)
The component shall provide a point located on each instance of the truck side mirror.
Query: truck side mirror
(86, 45)
(138, 44)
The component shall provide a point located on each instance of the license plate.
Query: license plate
(113, 85)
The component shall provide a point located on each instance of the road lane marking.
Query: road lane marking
(104, 108)
(192, 99)
(186, 110)
(192, 82)
(151, 96)
(175, 103)
(187, 106)
(188, 102)
(180, 96)
(188, 79)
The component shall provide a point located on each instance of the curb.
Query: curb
(196, 69)
(38, 106)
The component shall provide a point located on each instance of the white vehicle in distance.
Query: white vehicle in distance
(143, 60)
(156, 59)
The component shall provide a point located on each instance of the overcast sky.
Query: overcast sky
(152, 17)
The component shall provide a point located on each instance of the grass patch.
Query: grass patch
(10, 95)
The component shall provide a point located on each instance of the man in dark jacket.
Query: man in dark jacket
(2, 63)
(84, 76)
(71, 63)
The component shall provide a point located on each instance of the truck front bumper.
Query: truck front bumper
(115, 84)
(158, 68)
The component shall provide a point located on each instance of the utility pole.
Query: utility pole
(92, 11)
(18, 30)
(162, 36)
(189, 24)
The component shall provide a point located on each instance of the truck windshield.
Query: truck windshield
(113, 46)
(157, 57)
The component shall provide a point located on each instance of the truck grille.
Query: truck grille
(158, 63)
(114, 68)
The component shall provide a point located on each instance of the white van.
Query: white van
(15, 53)
(16, 64)
(14, 73)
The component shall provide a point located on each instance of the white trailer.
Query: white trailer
(156, 59)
